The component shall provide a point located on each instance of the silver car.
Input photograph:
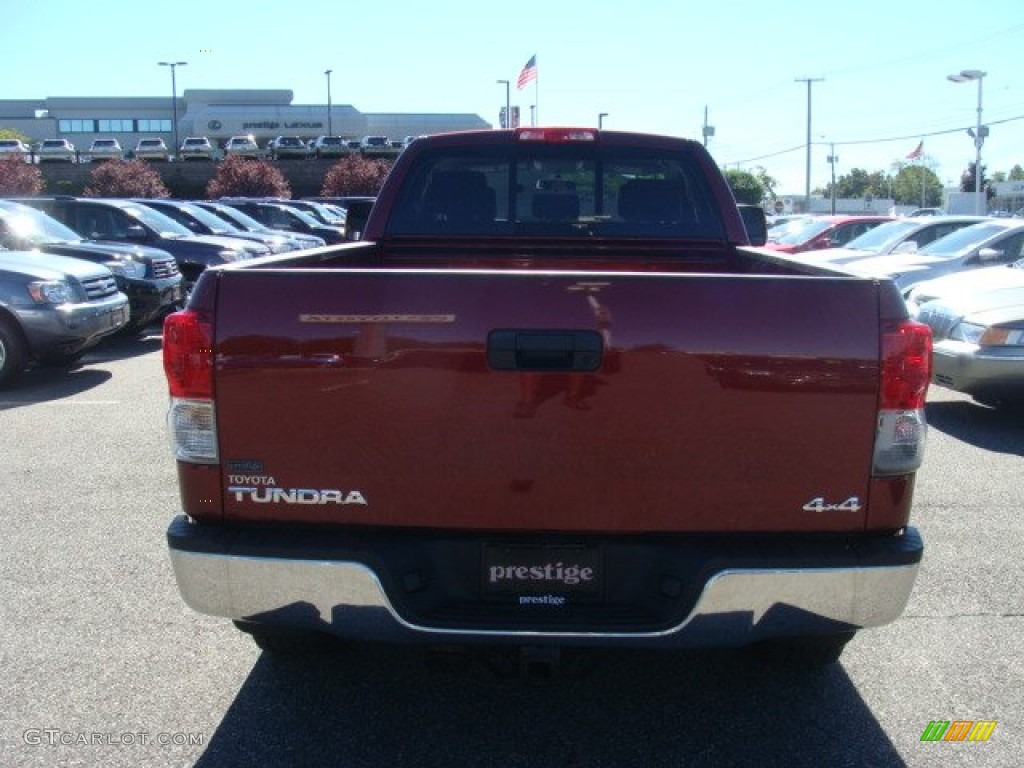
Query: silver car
(904, 235)
(986, 244)
(152, 149)
(105, 149)
(979, 344)
(959, 284)
(57, 151)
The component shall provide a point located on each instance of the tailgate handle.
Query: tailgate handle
(511, 349)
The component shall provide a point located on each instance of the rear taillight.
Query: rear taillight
(906, 371)
(906, 365)
(188, 354)
(188, 364)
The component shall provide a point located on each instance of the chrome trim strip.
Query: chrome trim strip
(244, 587)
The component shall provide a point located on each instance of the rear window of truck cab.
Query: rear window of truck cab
(563, 190)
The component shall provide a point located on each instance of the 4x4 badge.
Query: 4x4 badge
(852, 504)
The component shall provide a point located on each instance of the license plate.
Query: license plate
(542, 573)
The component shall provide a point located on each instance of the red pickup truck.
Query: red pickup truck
(555, 397)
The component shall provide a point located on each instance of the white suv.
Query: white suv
(57, 151)
(288, 146)
(15, 146)
(331, 146)
(152, 149)
(197, 148)
(105, 149)
(242, 146)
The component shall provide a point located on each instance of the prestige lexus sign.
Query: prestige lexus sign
(273, 125)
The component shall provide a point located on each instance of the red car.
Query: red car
(824, 232)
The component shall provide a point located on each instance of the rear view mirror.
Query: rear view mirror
(755, 222)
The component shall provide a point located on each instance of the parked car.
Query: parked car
(319, 211)
(779, 220)
(244, 221)
(57, 151)
(928, 212)
(202, 222)
(276, 215)
(897, 236)
(978, 343)
(16, 146)
(123, 221)
(105, 149)
(152, 149)
(986, 244)
(52, 309)
(819, 232)
(197, 148)
(287, 147)
(958, 284)
(378, 146)
(149, 277)
(331, 146)
(357, 210)
(242, 146)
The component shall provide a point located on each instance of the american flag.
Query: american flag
(529, 73)
(917, 152)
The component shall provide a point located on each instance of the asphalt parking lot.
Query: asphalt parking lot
(102, 664)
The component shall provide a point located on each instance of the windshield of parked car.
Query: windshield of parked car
(165, 225)
(319, 211)
(28, 225)
(241, 219)
(306, 218)
(963, 240)
(215, 223)
(804, 231)
(883, 236)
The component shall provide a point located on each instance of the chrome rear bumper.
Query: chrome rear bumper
(734, 606)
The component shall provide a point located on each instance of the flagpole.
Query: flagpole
(536, 90)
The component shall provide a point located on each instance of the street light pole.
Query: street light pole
(327, 72)
(174, 97)
(807, 189)
(978, 134)
(832, 161)
(600, 120)
(508, 103)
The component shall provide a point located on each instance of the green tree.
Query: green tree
(745, 187)
(1016, 174)
(10, 133)
(917, 185)
(768, 183)
(125, 178)
(967, 181)
(855, 184)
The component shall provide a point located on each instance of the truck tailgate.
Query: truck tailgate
(516, 400)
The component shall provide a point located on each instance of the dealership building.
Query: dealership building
(216, 114)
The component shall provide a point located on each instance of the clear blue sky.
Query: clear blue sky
(652, 65)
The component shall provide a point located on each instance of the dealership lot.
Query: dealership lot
(103, 665)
